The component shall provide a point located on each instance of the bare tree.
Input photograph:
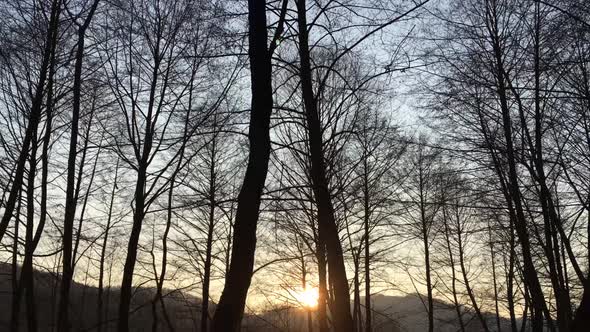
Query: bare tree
(229, 311)
(424, 205)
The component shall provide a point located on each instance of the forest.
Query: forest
(295, 165)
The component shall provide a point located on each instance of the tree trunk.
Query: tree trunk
(341, 313)
(453, 272)
(582, 319)
(127, 282)
(209, 245)
(323, 287)
(27, 269)
(538, 304)
(99, 307)
(78, 237)
(510, 278)
(493, 257)
(143, 159)
(366, 219)
(63, 323)
(356, 303)
(15, 304)
(425, 239)
(229, 311)
(478, 313)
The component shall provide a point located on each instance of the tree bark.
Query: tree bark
(210, 228)
(494, 281)
(470, 293)
(582, 319)
(143, 156)
(323, 286)
(63, 323)
(341, 313)
(538, 304)
(366, 219)
(453, 272)
(425, 239)
(100, 304)
(127, 282)
(356, 302)
(15, 304)
(229, 311)
(27, 270)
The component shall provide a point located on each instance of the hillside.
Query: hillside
(182, 308)
(392, 313)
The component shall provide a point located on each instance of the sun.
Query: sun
(308, 297)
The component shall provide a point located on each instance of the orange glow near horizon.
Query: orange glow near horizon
(308, 297)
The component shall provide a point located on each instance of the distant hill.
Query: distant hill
(391, 313)
(183, 309)
(407, 314)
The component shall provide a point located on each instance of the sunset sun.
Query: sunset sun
(308, 297)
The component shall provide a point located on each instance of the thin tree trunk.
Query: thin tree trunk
(79, 185)
(304, 287)
(82, 308)
(45, 150)
(493, 257)
(127, 281)
(323, 287)
(143, 155)
(99, 307)
(563, 303)
(27, 281)
(54, 291)
(582, 316)
(525, 315)
(63, 323)
(210, 228)
(109, 289)
(356, 303)
(160, 280)
(15, 305)
(366, 219)
(453, 272)
(503, 181)
(465, 276)
(428, 282)
(539, 306)
(510, 278)
(425, 239)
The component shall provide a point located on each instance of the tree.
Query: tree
(71, 192)
(147, 89)
(423, 207)
(49, 44)
(229, 311)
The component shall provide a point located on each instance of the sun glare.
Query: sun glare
(308, 297)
